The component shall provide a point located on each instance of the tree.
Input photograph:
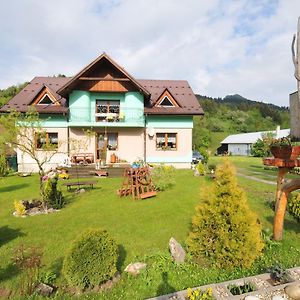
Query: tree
(21, 131)
(261, 148)
(224, 229)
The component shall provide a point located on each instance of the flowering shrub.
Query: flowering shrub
(200, 295)
(163, 177)
(20, 208)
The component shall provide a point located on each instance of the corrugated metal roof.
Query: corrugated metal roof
(252, 137)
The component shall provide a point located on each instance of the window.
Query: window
(166, 102)
(47, 140)
(110, 143)
(107, 110)
(46, 100)
(166, 141)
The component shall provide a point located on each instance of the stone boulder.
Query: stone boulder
(44, 289)
(135, 268)
(293, 291)
(177, 252)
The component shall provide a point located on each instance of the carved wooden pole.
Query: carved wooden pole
(296, 57)
(281, 205)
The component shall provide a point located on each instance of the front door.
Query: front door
(101, 147)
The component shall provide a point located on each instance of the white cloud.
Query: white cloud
(220, 46)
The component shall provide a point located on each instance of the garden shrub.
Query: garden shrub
(294, 206)
(28, 261)
(205, 155)
(52, 196)
(224, 229)
(3, 166)
(201, 168)
(163, 177)
(91, 259)
(20, 208)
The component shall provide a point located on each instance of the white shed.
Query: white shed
(240, 144)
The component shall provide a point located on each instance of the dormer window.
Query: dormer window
(166, 102)
(46, 100)
(45, 97)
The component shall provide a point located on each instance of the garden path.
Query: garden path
(256, 179)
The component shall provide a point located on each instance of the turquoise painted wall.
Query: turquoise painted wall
(170, 121)
(54, 121)
(82, 106)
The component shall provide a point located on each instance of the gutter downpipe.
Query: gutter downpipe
(145, 139)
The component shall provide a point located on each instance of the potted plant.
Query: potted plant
(281, 148)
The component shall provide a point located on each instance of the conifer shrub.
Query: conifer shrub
(224, 229)
(201, 168)
(52, 196)
(91, 259)
(3, 166)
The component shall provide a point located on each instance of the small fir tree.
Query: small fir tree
(224, 229)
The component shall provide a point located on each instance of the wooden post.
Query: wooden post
(279, 216)
(286, 189)
(280, 181)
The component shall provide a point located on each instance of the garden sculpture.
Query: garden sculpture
(138, 183)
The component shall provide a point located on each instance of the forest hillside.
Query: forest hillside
(234, 114)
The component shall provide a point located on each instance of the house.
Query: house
(127, 118)
(295, 116)
(240, 144)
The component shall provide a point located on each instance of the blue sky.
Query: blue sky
(220, 46)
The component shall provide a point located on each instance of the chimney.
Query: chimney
(277, 131)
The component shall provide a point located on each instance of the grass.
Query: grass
(141, 228)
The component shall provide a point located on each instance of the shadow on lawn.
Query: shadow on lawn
(290, 225)
(121, 258)
(8, 234)
(8, 272)
(11, 188)
(164, 287)
(56, 266)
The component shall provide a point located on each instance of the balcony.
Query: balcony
(127, 117)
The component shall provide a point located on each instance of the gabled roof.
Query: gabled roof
(180, 90)
(60, 87)
(22, 101)
(252, 137)
(69, 86)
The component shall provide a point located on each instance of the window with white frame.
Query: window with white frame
(107, 110)
(46, 140)
(166, 141)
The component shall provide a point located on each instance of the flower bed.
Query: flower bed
(262, 283)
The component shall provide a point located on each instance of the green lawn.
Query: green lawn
(141, 228)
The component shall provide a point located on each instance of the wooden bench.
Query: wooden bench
(69, 185)
(83, 158)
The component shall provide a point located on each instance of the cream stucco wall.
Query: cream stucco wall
(130, 144)
(27, 164)
(181, 157)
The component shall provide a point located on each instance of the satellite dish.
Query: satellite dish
(151, 131)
